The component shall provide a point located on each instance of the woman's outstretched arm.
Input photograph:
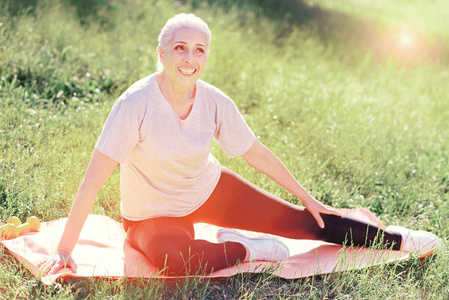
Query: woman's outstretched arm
(99, 169)
(262, 159)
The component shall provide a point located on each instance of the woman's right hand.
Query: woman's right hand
(58, 261)
(99, 169)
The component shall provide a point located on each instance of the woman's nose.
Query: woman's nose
(187, 57)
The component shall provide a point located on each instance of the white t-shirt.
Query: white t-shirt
(166, 168)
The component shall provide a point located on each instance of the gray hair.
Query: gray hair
(180, 21)
(177, 22)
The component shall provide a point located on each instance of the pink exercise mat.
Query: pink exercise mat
(102, 251)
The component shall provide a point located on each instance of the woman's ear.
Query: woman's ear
(161, 53)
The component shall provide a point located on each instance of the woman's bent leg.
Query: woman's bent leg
(169, 244)
(236, 203)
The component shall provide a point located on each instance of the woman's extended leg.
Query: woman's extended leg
(169, 244)
(236, 203)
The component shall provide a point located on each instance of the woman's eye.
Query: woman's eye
(200, 51)
(179, 48)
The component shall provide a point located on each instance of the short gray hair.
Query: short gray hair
(179, 21)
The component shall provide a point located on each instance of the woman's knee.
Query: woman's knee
(164, 242)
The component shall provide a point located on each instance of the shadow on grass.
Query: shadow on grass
(339, 29)
(287, 13)
(16, 7)
(345, 31)
(97, 10)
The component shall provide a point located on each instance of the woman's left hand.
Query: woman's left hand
(262, 159)
(316, 208)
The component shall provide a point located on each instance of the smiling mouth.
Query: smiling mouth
(187, 71)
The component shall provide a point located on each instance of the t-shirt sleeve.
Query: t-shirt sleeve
(121, 131)
(233, 134)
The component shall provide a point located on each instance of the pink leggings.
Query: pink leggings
(169, 242)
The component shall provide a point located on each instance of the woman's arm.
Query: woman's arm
(99, 169)
(262, 159)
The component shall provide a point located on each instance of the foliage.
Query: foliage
(359, 117)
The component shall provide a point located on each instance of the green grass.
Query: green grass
(358, 117)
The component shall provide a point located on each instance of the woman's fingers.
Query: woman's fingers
(47, 266)
(319, 220)
(53, 264)
(72, 265)
(316, 208)
(63, 261)
(56, 267)
(331, 211)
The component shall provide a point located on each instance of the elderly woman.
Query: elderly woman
(160, 131)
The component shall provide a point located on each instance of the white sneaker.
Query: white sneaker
(416, 240)
(261, 248)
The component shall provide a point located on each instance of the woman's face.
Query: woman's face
(185, 57)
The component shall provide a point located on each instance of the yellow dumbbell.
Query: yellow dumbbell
(14, 220)
(12, 230)
(6, 228)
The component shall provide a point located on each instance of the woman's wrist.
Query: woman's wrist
(305, 197)
(63, 252)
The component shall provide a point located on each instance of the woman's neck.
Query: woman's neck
(175, 95)
(179, 98)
